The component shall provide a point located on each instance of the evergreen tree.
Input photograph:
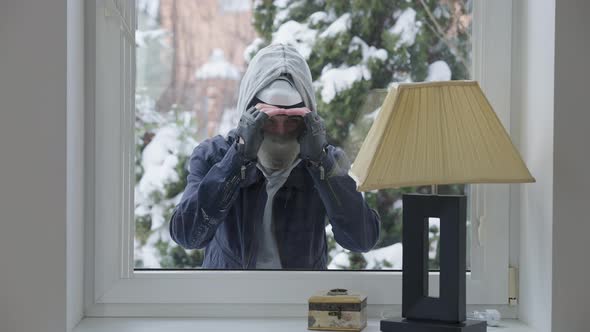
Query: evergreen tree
(164, 143)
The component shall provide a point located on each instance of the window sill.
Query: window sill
(245, 325)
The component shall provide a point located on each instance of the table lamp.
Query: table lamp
(435, 133)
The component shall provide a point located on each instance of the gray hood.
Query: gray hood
(270, 63)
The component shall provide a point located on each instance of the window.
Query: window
(115, 142)
(190, 59)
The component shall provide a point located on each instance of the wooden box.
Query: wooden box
(337, 310)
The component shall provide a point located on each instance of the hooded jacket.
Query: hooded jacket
(223, 204)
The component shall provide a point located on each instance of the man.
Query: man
(259, 198)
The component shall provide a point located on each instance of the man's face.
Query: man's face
(287, 126)
(284, 120)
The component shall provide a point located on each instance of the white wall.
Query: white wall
(571, 201)
(33, 165)
(532, 104)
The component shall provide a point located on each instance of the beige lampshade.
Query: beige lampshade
(437, 133)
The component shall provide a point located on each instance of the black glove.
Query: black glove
(250, 130)
(313, 140)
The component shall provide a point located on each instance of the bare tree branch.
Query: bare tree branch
(438, 31)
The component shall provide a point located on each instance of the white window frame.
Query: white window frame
(113, 288)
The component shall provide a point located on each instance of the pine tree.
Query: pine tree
(164, 142)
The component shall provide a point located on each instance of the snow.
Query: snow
(150, 7)
(141, 210)
(217, 67)
(406, 28)
(284, 9)
(149, 253)
(339, 255)
(398, 204)
(173, 138)
(252, 48)
(399, 78)
(438, 71)
(157, 216)
(373, 115)
(368, 52)
(159, 161)
(160, 157)
(145, 110)
(339, 262)
(280, 17)
(143, 37)
(296, 34)
(380, 54)
(229, 121)
(342, 24)
(281, 3)
(392, 254)
(329, 231)
(164, 235)
(433, 223)
(186, 118)
(318, 17)
(335, 80)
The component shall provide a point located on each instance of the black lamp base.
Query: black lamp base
(406, 325)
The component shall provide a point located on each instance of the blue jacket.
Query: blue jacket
(223, 203)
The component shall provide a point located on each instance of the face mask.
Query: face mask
(278, 151)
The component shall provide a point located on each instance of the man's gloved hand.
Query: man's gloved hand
(313, 140)
(250, 130)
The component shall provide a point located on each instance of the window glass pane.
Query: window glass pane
(191, 56)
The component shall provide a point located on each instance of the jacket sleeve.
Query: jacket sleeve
(212, 187)
(355, 225)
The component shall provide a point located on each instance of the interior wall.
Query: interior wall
(571, 199)
(75, 162)
(33, 165)
(532, 107)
